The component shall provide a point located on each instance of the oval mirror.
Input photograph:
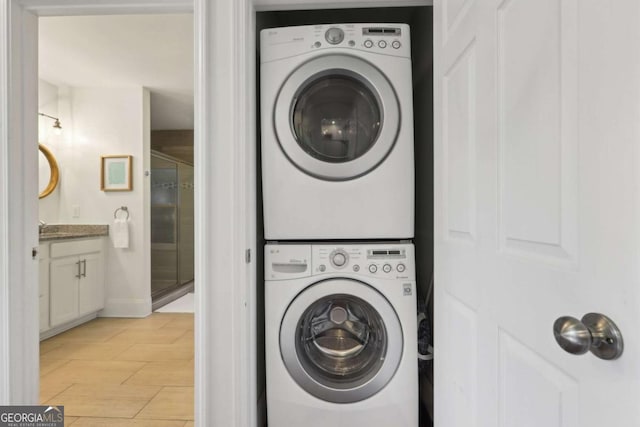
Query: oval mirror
(48, 173)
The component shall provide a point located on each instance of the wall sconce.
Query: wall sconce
(57, 128)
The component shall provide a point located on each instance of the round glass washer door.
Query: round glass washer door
(341, 340)
(336, 117)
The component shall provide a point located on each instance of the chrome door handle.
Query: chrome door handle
(79, 275)
(596, 333)
(84, 269)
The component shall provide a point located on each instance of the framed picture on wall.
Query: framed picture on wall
(115, 173)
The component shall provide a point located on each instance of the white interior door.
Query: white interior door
(537, 209)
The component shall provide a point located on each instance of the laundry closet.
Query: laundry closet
(422, 102)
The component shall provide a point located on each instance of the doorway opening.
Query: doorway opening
(123, 101)
(111, 82)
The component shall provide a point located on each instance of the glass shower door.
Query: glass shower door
(164, 225)
(186, 225)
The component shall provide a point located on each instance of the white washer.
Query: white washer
(337, 132)
(340, 335)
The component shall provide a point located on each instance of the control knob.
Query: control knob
(339, 258)
(334, 35)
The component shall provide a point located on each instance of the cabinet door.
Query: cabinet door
(91, 288)
(43, 272)
(64, 290)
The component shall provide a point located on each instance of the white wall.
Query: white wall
(48, 104)
(97, 122)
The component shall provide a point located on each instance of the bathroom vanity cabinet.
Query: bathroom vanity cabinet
(43, 275)
(71, 283)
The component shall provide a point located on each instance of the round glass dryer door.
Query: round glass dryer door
(341, 340)
(337, 117)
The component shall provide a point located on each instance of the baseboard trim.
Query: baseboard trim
(66, 326)
(117, 307)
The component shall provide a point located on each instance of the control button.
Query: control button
(352, 43)
(368, 43)
(356, 268)
(322, 267)
(334, 35)
(339, 259)
(396, 44)
(373, 268)
(401, 268)
(386, 268)
(382, 44)
(317, 44)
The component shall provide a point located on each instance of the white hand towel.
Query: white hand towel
(120, 233)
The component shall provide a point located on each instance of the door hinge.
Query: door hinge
(34, 253)
(247, 256)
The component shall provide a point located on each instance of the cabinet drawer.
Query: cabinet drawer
(75, 247)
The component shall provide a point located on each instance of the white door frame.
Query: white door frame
(225, 76)
(225, 212)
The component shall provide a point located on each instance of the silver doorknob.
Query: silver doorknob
(596, 333)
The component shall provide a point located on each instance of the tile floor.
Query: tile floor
(122, 372)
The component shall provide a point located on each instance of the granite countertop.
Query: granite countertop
(72, 231)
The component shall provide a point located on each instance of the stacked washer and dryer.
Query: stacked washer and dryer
(338, 203)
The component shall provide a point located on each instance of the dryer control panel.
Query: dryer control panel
(385, 39)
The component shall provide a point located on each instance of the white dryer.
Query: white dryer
(337, 132)
(340, 335)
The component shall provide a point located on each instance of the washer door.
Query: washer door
(336, 117)
(341, 340)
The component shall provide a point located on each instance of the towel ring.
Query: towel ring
(121, 208)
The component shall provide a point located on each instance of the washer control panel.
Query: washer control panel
(387, 39)
(390, 261)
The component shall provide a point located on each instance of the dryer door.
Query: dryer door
(336, 117)
(341, 340)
